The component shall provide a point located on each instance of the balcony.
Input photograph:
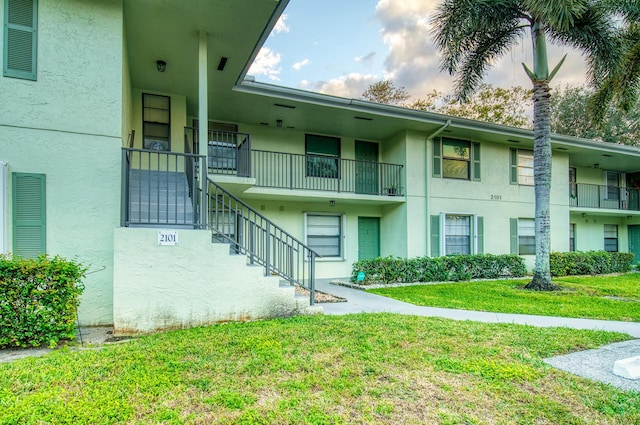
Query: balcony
(583, 195)
(230, 154)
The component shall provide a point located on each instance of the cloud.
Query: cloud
(266, 63)
(367, 59)
(281, 25)
(349, 86)
(298, 65)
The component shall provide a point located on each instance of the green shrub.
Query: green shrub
(38, 300)
(589, 263)
(439, 269)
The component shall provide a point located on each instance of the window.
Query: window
(522, 167)
(456, 234)
(156, 116)
(523, 236)
(456, 159)
(20, 39)
(572, 237)
(322, 156)
(29, 223)
(324, 234)
(573, 187)
(611, 237)
(613, 185)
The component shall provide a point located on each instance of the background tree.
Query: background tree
(385, 92)
(471, 34)
(569, 115)
(622, 85)
(510, 106)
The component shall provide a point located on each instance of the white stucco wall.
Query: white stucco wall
(195, 282)
(68, 125)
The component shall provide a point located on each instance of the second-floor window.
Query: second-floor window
(521, 162)
(322, 156)
(613, 185)
(156, 122)
(456, 159)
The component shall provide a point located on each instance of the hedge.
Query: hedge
(38, 300)
(591, 263)
(439, 269)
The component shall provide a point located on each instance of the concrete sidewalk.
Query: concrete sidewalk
(363, 302)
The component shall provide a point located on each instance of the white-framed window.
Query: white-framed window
(526, 236)
(457, 233)
(324, 233)
(612, 183)
(156, 122)
(611, 237)
(521, 162)
(572, 237)
(456, 159)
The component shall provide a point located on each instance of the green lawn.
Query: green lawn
(367, 368)
(602, 297)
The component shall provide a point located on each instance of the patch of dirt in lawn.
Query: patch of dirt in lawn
(321, 297)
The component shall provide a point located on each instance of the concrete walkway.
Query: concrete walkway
(363, 302)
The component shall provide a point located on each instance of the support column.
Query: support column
(203, 121)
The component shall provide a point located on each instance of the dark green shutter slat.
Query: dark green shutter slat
(29, 214)
(513, 225)
(513, 166)
(435, 235)
(20, 38)
(476, 161)
(323, 145)
(480, 230)
(437, 157)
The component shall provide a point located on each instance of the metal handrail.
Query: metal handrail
(262, 241)
(318, 172)
(584, 195)
(157, 188)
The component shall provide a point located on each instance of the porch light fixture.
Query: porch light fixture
(332, 203)
(583, 215)
(279, 123)
(161, 65)
(629, 217)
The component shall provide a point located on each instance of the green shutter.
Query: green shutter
(322, 145)
(20, 38)
(480, 235)
(29, 224)
(435, 235)
(475, 152)
(437, 157)
(513, 224)
(513, 166)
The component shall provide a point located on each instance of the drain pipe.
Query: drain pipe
(428, 184)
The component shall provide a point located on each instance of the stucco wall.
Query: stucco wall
(195, 282)
(68, 125)
(589, 231)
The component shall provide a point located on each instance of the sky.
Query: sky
(340, 47)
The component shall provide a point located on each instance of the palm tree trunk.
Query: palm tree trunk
(542, 177)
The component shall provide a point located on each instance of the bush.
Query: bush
(591, 263)
(38, 300)
(439, 269)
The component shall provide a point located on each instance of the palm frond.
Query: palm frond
(471, 34)
(560, 14)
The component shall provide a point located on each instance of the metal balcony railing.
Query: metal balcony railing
(228, 152)
(326, 173)
(582, 195)
(249, 232)
(157, 188)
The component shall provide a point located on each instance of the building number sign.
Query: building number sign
(167, 237)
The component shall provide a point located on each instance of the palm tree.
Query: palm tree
(623, 81)
(472, 34)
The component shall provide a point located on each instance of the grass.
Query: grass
(367, 368)
(602, 297)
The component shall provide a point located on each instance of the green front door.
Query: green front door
(634, 242)
(368, 238)
(366, 167)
